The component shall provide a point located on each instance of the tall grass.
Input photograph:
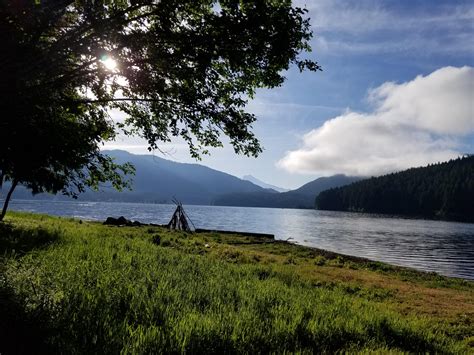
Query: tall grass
(85, 288)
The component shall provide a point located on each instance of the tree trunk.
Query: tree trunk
(7, 199)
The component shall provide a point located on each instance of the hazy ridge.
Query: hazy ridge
(159, 180)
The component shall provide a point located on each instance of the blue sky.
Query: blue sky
(395, 92)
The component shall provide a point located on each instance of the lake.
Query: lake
(436, 246)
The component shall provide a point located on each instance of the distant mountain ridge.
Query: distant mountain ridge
(260, 183)
(302, 197)
(159, 180)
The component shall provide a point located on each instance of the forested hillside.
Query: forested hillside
(443, 190)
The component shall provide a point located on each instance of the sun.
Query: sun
(109, 62)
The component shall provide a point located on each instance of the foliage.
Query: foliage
(89, 288)
(443, 190)
(183, 69)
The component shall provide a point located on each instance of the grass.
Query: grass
(80, 287)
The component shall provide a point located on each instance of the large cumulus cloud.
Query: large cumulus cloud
(415, 123)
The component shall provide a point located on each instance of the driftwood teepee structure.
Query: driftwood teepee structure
(179, 220)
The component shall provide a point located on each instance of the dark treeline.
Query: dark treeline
(441, 191)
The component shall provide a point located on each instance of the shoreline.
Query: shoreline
(341, 253)
(261, 238)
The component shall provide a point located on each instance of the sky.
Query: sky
(396, 91)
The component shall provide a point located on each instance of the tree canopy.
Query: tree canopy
(174, 68)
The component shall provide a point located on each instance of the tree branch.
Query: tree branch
(120, 99)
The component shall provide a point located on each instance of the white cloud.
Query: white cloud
(370, 26)
(412, 124)
(439, 103)
(413, 44)
(364, 16)
(272, 109)
(346, 16)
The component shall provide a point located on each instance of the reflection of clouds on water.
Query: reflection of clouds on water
(443, 247)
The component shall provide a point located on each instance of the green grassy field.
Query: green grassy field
(80, 287)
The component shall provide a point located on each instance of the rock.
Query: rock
(121, 221)
(110, 221)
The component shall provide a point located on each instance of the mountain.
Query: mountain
(441, 191)
(313, 188)
(302, 197)
(159, 180)
(260, 183)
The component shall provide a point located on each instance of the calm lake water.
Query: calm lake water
(443, 247)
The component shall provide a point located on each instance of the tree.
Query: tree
(175, 68)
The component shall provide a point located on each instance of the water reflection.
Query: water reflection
(443, 247)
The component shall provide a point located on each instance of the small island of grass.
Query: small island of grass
(68, 286)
